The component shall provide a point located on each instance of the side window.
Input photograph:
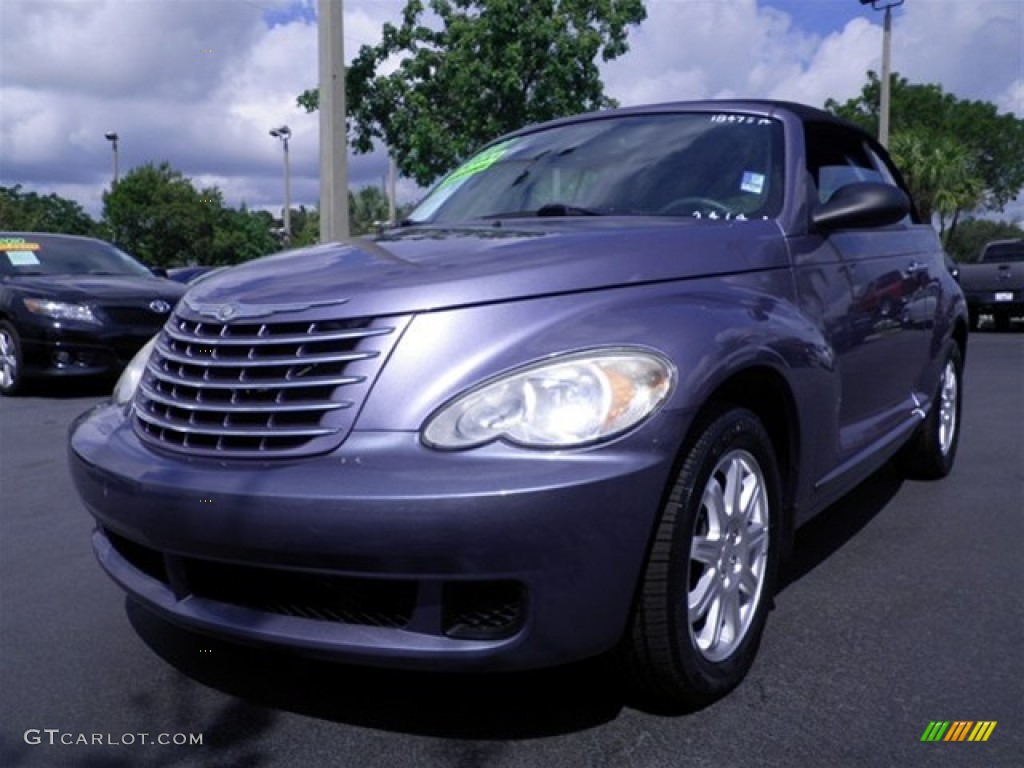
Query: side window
(837, 157)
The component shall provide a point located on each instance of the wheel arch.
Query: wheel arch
(765, 392)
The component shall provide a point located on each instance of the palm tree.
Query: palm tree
(941, 175)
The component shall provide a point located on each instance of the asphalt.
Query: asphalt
(904, 604)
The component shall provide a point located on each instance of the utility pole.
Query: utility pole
(112, 137)
(392, 207)
(334, 223)
(284, 133)
(883, 108)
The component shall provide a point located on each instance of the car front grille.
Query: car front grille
(143, 317)
(257, 388)
(467, 610)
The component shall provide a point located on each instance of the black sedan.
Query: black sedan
(72, 306)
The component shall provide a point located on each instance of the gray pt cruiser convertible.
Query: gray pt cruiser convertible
(575, 405)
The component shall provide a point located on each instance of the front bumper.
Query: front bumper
(384, 551)
(55, 349)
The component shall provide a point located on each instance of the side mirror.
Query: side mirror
(862, 204)
(158, 271)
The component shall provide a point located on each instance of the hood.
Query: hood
(425, 268)
(97, 289)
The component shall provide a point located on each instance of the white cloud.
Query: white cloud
(199, 83)
(973, 49)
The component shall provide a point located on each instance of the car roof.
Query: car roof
(764, 107)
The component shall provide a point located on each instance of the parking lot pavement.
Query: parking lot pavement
(903, 605)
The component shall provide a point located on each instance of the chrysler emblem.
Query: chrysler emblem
(226, 312)
(234, 311)
(159, 306)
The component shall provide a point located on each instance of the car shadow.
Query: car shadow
(494, 706)
(817, 540)
(69, 388)
(463, 706)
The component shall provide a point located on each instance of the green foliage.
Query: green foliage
(972, 235)
(942, 175)
(32, 212)
(305, 225)
(367, 209)
(156, 214)
(978, 153)
(487, 67)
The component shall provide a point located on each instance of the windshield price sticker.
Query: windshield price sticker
(22, 258)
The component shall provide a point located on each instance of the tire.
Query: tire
(11, 361)
(931, 452)
(688, 656)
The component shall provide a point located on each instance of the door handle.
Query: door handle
(914, 268)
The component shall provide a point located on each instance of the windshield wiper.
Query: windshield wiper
(549, 209)
(562, 209)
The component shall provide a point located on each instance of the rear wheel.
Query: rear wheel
(708, 583)
(931, 452)
(10, 359)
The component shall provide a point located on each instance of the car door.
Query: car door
(879, 286)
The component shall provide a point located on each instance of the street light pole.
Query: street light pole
(284, 133)
(883, 109)
(111, 136)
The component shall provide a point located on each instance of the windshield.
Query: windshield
(42, 255)
(1012, 250)
(718, 166)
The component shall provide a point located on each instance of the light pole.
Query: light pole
(284, 133)
(883, 108)
(111, 136)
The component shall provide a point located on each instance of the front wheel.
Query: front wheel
(709, 579)
(10, 360)
(932, 450)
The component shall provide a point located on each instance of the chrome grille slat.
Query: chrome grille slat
(228, 431)
(266, 362)
(252, 389)
(207, 383)
(156, 397)
(245, 341)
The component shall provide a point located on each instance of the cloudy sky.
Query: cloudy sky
(199, 83)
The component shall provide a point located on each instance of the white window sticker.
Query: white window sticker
(22, 258)
(752, 182)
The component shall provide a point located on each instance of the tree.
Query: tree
(972, 235)
(305, 226)
(488, 67)
(157, 215)
(368, 208)
(241, 235)
(981, 151)
(32, 212)
(941, 173)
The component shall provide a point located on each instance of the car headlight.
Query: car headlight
(61, 310)
(562, 402)
(125, 388)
